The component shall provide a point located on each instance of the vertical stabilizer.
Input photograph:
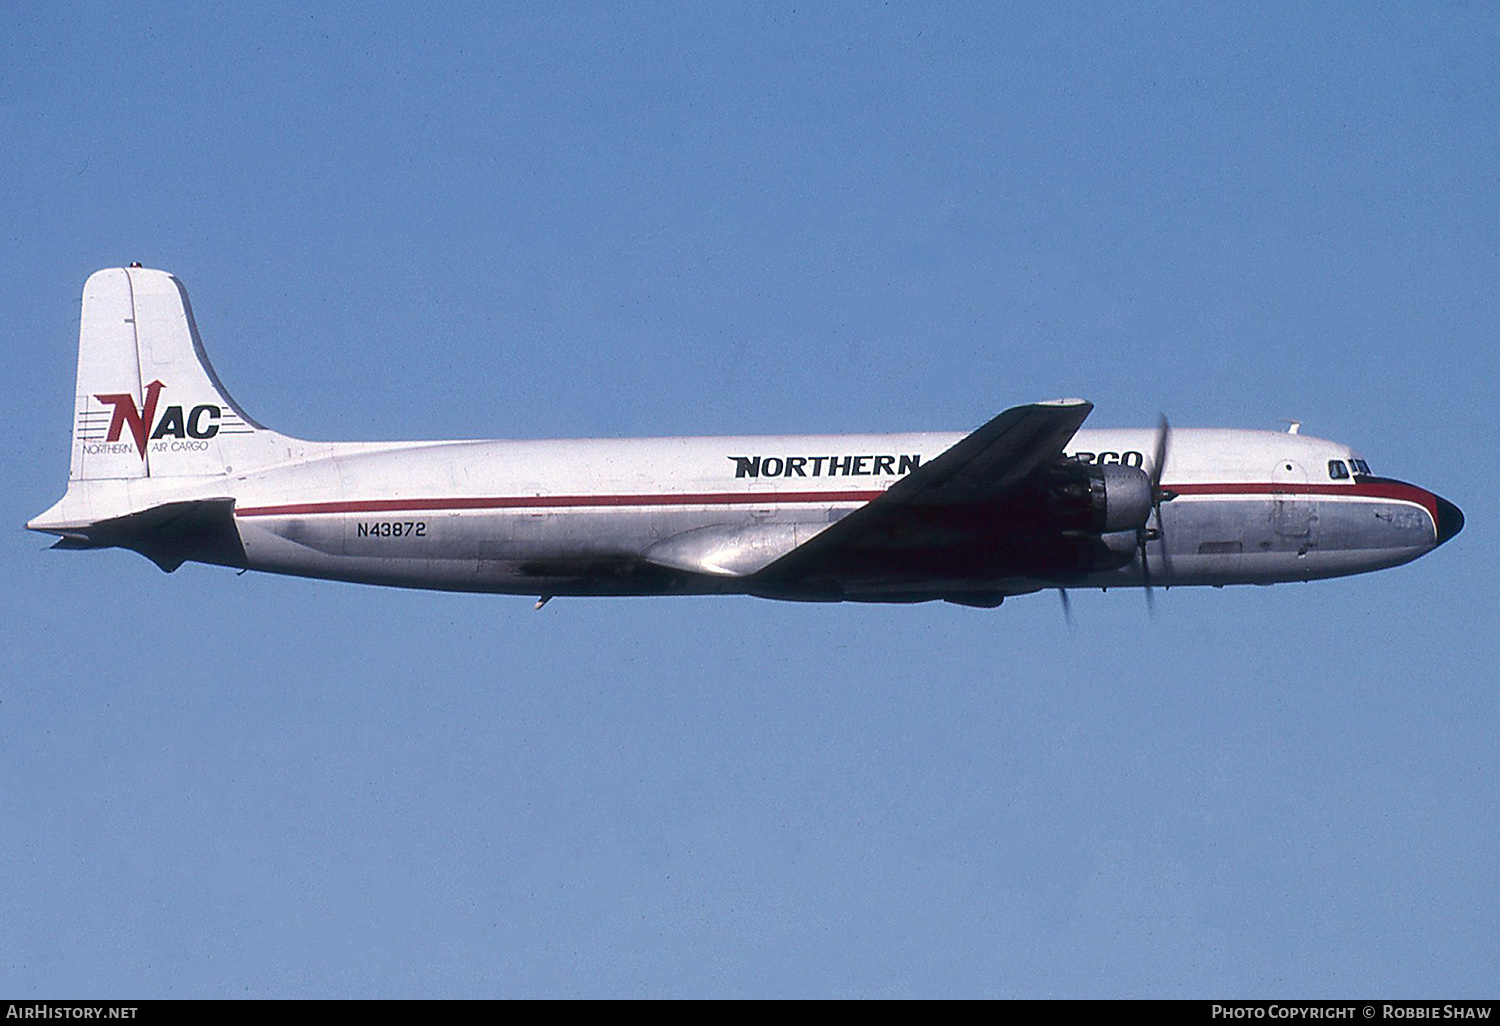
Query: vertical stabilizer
(148, 403)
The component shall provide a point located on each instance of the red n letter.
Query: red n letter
(126, 413)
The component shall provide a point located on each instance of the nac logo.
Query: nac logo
(200, 422)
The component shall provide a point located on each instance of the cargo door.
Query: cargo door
(1294, 515)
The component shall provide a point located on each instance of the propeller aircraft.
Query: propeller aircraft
(165, 463)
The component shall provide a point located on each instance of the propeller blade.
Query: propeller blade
(1159, 457)
(1158, 495)
(1145, 534)
(1146, 572)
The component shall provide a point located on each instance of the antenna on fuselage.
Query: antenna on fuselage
(1292, 426)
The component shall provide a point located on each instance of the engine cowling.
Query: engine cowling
(1127, 498)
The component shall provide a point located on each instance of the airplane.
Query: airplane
(165, 463)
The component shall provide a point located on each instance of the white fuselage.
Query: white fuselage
(533, 517)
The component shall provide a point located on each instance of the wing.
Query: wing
(937, 501)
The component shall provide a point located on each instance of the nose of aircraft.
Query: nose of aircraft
(1450, 519)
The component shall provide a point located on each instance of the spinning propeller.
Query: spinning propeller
(1146, 532)
(1158, 496)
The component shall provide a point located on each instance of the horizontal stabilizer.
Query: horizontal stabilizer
(169, 534)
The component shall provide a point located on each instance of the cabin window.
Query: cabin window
(1337, 470)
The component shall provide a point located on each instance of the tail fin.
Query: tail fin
(148, 403)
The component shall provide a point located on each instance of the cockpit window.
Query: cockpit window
(1337, 470)
(1360, 466)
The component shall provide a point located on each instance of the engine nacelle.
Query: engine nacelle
(1098, 499)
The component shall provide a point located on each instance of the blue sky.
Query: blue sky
(617, 220)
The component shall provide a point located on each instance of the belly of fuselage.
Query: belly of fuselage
(537, 550)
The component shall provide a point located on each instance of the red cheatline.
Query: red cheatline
(1381, 490)
(535, 501)
(1395, 490)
